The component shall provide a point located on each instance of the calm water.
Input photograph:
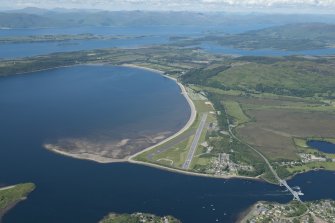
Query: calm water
(152, 35)
(322, 146)
(14, 50)
(136, 30)
(89, 101)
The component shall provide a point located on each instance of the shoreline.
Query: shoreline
(105, 160)
(11, 204)
(7, 187)
(8, 208)
(180, 171)
(188, 99)
(101, 159)
(84, 156)
(57, 67)
(130, 159)
(243, 216)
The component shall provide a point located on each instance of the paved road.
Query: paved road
(171, 144)
(280, 181)
(195, 142)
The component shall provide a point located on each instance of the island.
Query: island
(11, 195)
(138, 217)
(293, 212)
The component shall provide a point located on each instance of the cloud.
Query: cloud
(200, 5)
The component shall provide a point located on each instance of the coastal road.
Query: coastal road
(280, 181)
(195, 142)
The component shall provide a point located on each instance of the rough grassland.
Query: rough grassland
(14, 194)
(233, 109)
(283, 77)
(273, 130)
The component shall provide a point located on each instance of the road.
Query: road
(280, 181)
(195, 142)
(171, 144)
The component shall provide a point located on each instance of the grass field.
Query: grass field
(234, 109)
(280, 76)
(275, 124)
(14, 194)
(312, 166)
(275, 99)
(174, 153)
(274, 121)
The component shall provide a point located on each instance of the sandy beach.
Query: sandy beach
(190, 102)
(5, 188)
(101, 159)
(84, 156)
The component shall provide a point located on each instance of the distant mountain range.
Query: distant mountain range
(36, 17)
(302, 36)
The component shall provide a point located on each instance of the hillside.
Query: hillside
(294, 76)
(22, 20)
(304, 36)
(35, 17)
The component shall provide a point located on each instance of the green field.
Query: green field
(282, 76)
(312, 166)
(11, 195)
(234, 110)
(173, 153)
(274, 101)
(137, 218)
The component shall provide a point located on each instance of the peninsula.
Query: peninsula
(11, 195)
(243, 99)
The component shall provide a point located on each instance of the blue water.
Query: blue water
(322, 146)
(113, 102)
(135, 30)
(117, 30)
(315, 185)
(152, 35)
(14, 50)
(218, 49)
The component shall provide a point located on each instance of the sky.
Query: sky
(179, 5)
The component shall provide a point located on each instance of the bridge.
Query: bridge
(294, 193)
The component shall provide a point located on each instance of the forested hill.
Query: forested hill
(292, 76)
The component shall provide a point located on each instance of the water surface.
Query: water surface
(91, 102)
(151, 35)
(323, 146)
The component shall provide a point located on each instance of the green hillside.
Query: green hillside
(294, 76)
(304, 36)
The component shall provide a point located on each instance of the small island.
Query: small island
(138, 217)
(316, 211)
(11, 195)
